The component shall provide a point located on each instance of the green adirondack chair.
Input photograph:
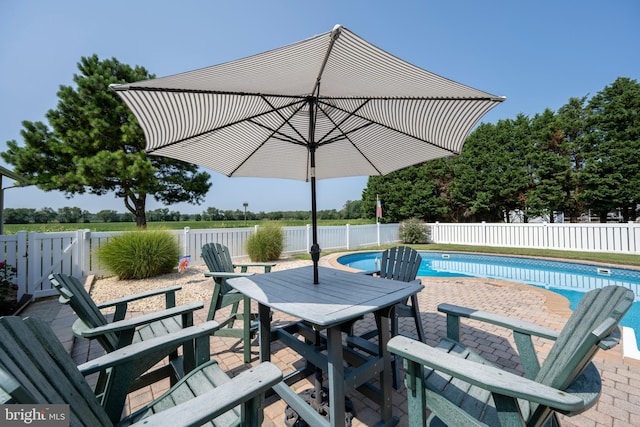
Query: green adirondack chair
(122, 332)
(36, 369)
(459, 387)
(221, 267)
(397, 263)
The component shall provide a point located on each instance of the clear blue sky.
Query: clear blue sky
(537, 54)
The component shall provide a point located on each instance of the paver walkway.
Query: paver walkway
(618, 406)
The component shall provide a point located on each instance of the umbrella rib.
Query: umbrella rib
(203, 91)
(371, 122)
(286, 119)
(414, 98)
(250, 119)
(335, 33)
(303, 97)
(274, 132)
(345, 135)
(337, 125)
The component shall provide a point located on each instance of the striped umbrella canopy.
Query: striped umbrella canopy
(333, 105)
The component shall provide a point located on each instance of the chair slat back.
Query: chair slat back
(31, 355)
(72, 292)
(595, 319)
(400, 263)
(218, 259)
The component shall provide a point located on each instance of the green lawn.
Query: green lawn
(602, 257)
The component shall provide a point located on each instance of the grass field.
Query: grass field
(168, 225)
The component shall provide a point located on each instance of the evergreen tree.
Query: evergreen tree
(611, 177)
(95, 145)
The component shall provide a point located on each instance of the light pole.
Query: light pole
(245, 204)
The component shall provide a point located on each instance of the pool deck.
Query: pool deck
(618, 406)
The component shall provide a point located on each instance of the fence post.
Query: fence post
(86, 252)
(186, 243)
(378, 232)
(631, 237)
(79, 258)
(21, 263)
(484, 233)
(32, 272)
(435, 231)
(308, 237)
(348, 236)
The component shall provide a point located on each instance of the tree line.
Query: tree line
(73, 215)
(583, 159)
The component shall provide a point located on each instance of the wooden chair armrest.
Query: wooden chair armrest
(136, 297)
(134, 322)
(486, 377)
(11, 391)
(266, 265)
(517, 325)
(151, 346)
(222, 275)
(523, 332)
(197, 411)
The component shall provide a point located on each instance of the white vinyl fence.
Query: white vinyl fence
(36, 255)
(621, 238)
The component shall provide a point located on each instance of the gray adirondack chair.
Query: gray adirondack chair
(459, 387)
(36, 369)
(221, 267)
(397, 263)
(122, 332)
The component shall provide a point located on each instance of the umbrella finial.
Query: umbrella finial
(337, 30)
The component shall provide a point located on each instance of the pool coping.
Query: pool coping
(554, 301)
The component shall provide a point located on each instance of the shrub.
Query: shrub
(8, 275)
(414, 231)
(141, 254)
(8, 289)
(266, 243)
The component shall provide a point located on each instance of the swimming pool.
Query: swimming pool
(568, 279)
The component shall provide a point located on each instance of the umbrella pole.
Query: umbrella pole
(315, 248)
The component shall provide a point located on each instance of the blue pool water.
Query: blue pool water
(568, 279)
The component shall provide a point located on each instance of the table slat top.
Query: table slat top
(340, 295)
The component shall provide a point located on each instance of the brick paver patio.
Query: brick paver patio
(618, 406)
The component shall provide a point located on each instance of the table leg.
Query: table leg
(335, 372)
(246, 327)
(383, 324)
(264, 332)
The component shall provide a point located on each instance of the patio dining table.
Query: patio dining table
(339, 298)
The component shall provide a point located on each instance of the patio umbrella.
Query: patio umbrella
(333, 105)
